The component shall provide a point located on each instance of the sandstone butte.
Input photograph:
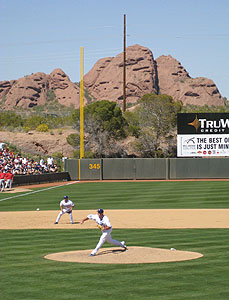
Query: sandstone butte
(144, 74)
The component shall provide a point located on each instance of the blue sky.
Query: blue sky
(39, 36)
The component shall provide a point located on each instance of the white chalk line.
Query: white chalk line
(33, 192)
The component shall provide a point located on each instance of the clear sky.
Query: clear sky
(39, 36)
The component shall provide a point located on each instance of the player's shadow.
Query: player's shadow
(115, 251)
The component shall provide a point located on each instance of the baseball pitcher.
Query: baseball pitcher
(103, 223)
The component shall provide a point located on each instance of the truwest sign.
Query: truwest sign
(202, 134)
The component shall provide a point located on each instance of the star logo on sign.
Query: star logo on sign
(195, 123)
(190, 140)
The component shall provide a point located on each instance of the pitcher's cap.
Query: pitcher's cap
(100, 211)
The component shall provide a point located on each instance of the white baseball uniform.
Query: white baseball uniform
(2, 185)
(66, 208)
(106, 234)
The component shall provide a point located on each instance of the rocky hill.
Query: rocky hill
(37, 89)
(175, 81)
(104, 81)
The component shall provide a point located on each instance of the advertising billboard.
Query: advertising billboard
(202, 134)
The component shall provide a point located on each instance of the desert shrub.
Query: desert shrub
(33, 121)
(89, 154)
(50, 95)
(76, 153)
(26, 129)
(58, 155)
(42, 128)
(9, 118)
(11, 128)
(3, 99)
(73, 140)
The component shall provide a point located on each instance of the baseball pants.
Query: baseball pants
(106, 237)
(61, 213)
(2, 185)
(9, 183)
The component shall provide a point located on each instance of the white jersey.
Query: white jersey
(67, 205)
(104, 222)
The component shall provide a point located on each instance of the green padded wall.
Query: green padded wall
(148, 168)
(184, 168)
(90, 169)
(119, 168)
(71, 166)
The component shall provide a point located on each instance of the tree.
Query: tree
(132, 127)
(157, 116)
(103, 126)
(73, 139)
(108, 115)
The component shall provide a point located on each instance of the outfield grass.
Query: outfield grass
(126, 195)
(26, 275)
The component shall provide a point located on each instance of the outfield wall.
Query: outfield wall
(40, 178)
(147, 168)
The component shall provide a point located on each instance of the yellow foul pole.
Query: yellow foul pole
(81, 102)
(81, 106)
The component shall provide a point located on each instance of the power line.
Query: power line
(72, 56)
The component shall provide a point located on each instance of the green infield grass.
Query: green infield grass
(26, 275)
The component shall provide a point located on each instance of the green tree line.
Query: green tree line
(151, 126)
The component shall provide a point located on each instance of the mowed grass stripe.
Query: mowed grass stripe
(126, 195)
(28, 276)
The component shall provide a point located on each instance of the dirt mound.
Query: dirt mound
(40, 143)
(133, 255)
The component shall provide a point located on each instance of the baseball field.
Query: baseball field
(191, 217)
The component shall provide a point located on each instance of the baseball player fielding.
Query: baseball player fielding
(66, 206)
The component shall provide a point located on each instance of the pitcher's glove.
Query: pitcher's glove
(100, 227)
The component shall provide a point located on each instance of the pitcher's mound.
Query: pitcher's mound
(134, 255)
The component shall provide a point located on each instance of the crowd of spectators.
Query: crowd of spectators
(19, 165)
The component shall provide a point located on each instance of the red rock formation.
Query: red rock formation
(33, 90)
(105, 82)
(175, 81)
(145, 75)
(67, 93)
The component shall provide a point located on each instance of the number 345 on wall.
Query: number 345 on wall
(94, 166)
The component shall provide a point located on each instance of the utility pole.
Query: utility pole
(124, 65)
